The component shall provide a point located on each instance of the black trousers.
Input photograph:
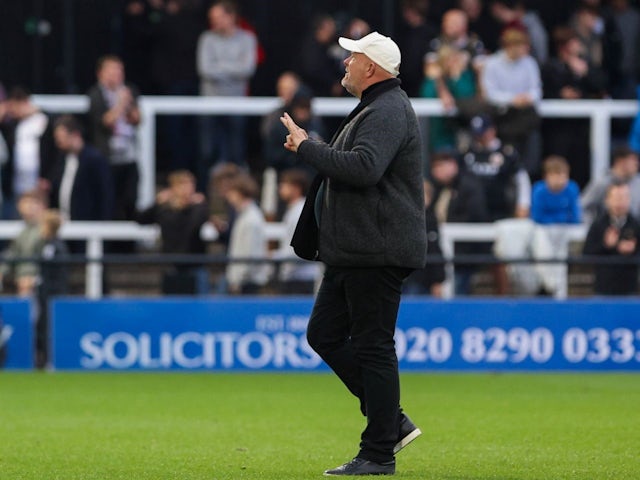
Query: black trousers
(125, 183)
(351, 327)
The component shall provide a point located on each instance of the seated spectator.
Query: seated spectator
(181, 213)
(513, 13)
(452, 80)
(555, 198)
(27, 244)
(82, 187)
(624, 169)
(428, 280)
(511, 84)
(294, 277)
(614, 235)
(555, 202)
(458, 197)
(569, 76)
(28, 136)
(52, 281)
(247, 239)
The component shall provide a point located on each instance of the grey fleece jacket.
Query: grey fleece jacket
(372, 210)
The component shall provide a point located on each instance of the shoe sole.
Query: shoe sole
(379, 474)
(407, 440)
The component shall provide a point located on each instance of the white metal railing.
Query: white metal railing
(96, 233)
(487, 232)
(600, 112)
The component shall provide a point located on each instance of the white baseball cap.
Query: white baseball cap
(382, 50)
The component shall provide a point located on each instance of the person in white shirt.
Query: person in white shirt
(511, 84)
(30, 144)
(296, 277)
(248, 239)
(82, 187)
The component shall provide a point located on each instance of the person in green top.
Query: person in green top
(28, 243)
(449, 77)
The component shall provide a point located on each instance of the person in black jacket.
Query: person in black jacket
(318, 69)
(82, 188)
(428, 280)
(615, 234)
(53, 279)
(300, 108)
(458, 197)
(114, 117)
(569, 76)
(364, 219)
(29, 139)
(414, 34)
(180, 212)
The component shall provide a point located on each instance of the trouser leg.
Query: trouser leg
(352, 328)
(328, 333)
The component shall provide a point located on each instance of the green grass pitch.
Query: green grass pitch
(138, 426)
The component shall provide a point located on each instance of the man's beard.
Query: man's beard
(347, 86)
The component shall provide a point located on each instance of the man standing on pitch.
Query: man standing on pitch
(364, 219)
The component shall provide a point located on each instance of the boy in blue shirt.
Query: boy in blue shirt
(555, 198)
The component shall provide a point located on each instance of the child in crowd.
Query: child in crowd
(247, 240)
(52, 281)
(27, 244)
(294, 277)
(555, 198)
(180, 212)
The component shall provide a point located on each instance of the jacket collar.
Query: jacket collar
(368, 96)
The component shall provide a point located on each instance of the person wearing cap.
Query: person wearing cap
(505, 182)
(497, 165)
(364, 219)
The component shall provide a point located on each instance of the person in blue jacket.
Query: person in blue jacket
(556, 198)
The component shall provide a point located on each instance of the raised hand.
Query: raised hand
(296, 136)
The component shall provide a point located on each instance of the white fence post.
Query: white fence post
(93, 284)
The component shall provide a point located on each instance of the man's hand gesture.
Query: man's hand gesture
(296, 135)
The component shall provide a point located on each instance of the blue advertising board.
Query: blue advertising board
(16, 334)
(269, 334)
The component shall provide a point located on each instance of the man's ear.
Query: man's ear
(371, 69)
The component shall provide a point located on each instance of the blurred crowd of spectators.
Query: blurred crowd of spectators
(490, 157)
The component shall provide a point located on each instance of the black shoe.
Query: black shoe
(360, 466)
(408, 433)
